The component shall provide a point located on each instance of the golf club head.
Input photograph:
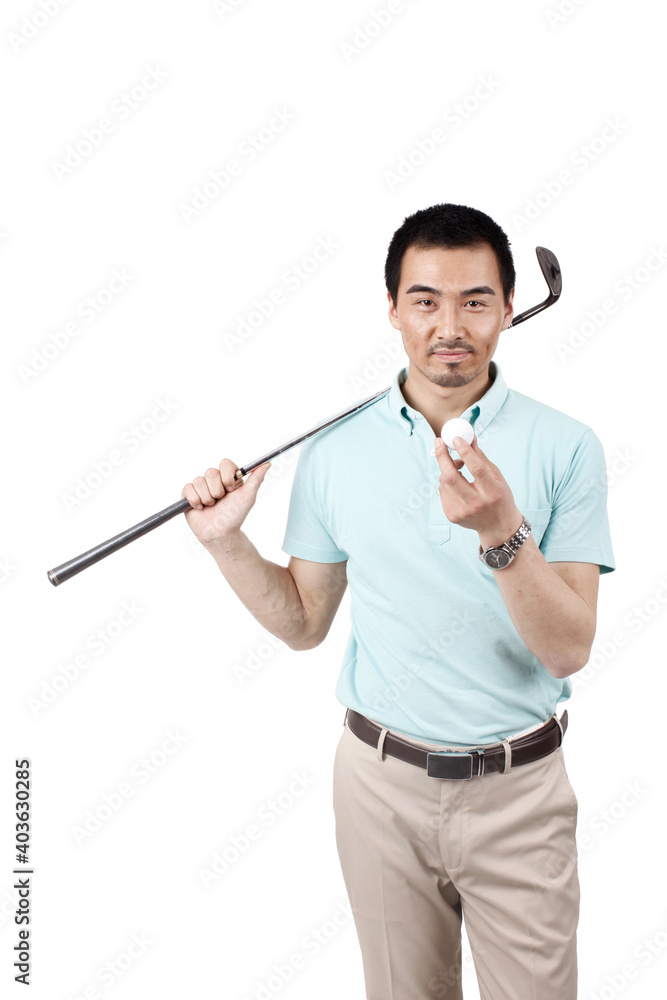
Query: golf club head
(551, 271)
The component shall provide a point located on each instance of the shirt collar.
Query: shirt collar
(482, 412)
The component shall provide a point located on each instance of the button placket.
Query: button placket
(439, 528)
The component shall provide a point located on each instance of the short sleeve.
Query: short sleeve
(578, 530)
(307, 534)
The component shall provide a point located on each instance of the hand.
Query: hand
(487, 504)
(220, 502)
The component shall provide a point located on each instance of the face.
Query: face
(450, 301)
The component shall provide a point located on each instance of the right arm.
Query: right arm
(296, 603)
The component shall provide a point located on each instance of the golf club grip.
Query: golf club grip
(59, 574)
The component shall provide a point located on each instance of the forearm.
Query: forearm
(268, 590)
(553, 621)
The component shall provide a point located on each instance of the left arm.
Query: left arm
(552, 605)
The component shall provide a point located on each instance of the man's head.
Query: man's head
(448, 226)
(450, 286)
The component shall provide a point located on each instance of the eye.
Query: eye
(428, 301)
(474, 302)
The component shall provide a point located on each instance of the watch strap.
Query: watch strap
(513, 544)
(520, 535)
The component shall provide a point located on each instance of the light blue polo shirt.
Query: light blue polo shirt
(432, 653)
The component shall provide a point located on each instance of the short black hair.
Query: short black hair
(448, 226)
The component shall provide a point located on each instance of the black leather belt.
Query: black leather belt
(463, 764)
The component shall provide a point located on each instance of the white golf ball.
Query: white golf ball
(457, 427)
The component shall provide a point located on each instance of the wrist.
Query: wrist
(224, 545)
(502, 532)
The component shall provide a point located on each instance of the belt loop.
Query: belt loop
(347, 712)
(508, 756)
(381, 743)
(562, 731)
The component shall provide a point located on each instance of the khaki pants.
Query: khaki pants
(418, 853)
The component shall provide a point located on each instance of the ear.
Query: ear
(509, 312)
(393, 315)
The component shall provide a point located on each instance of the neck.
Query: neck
(439, 403)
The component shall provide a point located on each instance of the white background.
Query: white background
(360, 96)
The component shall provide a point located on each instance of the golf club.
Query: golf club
(552, 275)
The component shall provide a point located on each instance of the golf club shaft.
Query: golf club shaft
(57, 575)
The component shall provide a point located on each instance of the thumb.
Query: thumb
(257, 476)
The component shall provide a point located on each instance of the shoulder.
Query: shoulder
(353, 429)
(547, 422)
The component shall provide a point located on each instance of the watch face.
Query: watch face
(497, 559)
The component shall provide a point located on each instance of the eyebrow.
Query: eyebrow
(479, 290)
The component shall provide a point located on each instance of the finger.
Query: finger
(214, 483)
(452, 482)
(472, 456)
(448, 465)
(442, 454)
(202, 489)
(191, 495)
(228, 470)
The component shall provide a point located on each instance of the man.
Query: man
(473, 598)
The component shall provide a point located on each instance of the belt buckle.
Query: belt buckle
(453, 765)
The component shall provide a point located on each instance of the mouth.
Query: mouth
(451, 355)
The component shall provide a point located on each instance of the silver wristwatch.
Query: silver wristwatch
(500, 556)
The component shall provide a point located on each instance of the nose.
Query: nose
(449, 323)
